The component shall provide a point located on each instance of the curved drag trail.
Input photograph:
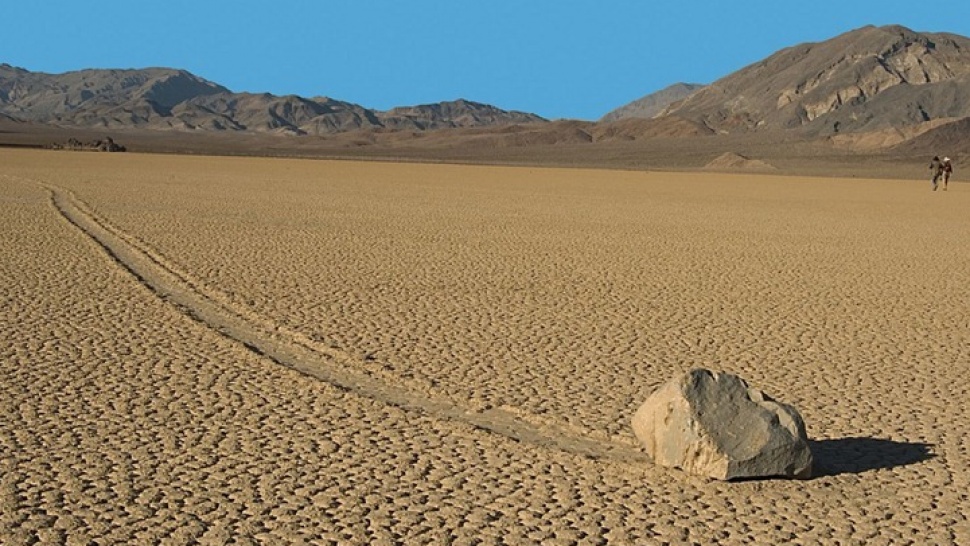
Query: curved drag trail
(296, 351)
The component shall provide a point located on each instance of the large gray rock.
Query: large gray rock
(715, 425)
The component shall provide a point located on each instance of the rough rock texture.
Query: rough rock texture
(715, 425)
(868, 79)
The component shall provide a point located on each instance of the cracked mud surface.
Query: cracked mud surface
(281, 351)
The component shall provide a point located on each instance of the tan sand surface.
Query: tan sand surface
(233, 350)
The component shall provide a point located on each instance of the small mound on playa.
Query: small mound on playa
(732, 161)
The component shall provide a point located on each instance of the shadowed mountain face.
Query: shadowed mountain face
(868, 79)
(161, 98)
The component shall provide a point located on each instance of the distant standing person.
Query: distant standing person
(947, 171)
(936, 170)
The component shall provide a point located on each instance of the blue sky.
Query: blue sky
(559, 59)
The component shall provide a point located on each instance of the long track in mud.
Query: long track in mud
(298, 352)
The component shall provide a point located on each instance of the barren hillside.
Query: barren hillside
(868, 79)
(162, 98)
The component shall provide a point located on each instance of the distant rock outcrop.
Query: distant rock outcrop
(715, 425)
(107, 144)
(649, 106)
(733, 161)
(459, 113)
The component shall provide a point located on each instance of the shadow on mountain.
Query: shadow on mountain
(858, 455)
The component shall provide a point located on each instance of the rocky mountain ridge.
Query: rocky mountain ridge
(164, 98)
(868, 79)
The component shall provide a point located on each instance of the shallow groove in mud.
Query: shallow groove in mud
(296, 351)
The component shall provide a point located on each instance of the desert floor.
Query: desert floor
(241, 350)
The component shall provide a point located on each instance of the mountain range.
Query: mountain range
(165, 98)
(870, 88)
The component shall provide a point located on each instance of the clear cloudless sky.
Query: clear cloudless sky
(556, 58)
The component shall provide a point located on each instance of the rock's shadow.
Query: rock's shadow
(858, 455)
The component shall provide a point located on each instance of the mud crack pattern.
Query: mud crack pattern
(560, 297)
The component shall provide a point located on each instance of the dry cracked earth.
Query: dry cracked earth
(199, 350)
